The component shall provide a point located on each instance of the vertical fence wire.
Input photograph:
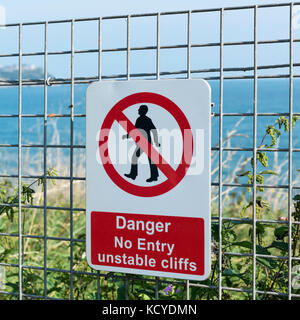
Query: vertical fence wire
(157, 77)
(128, 49)
(20, 235)
(158, 46)
(45, 152)
(188, 45)
(99, 48)
(254, 156)
(188, 75)
(99, 78)
(290, 169)
(220, 256)
(72, 106)
(128, 78)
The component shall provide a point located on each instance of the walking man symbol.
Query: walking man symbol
(146, 126)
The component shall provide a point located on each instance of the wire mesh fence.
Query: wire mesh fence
(43, 232)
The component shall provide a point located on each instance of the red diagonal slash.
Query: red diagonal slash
(146, 146)
(173, 176)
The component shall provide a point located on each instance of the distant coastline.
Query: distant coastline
(11, 72)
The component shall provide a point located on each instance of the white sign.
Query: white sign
(148, 177)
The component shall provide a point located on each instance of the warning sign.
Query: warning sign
(156, 160)
(148, 177)
(140, 241)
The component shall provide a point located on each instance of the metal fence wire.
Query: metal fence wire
(41, 278)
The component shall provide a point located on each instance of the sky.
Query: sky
(238, 26)
(35, 10)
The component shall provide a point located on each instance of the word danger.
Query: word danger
(149, 227)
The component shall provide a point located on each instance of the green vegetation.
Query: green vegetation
(271, 240)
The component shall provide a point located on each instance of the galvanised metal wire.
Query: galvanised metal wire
(188, 72)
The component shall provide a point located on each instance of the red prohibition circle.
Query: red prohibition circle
(115, 114)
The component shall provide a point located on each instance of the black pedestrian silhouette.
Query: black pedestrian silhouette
(146, 126)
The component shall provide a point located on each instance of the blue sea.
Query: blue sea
(273, 96)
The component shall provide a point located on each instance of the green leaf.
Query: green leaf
(144, 296)
(14, 286)
(262, 203)
(297, 197)
(260, 179)
(277, 132)
(272, 132)
(248, 245)
(231, 273)
(294, 120)
(269, 263)
(122, 292)
(244, 174)
(281, 232)
(260, 228)
(215, 231)
(269, 172)
(283, 246)
(283, 121)
(245, 208)
(263, 158)
(235, 274)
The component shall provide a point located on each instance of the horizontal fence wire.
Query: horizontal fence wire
(220, 74)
